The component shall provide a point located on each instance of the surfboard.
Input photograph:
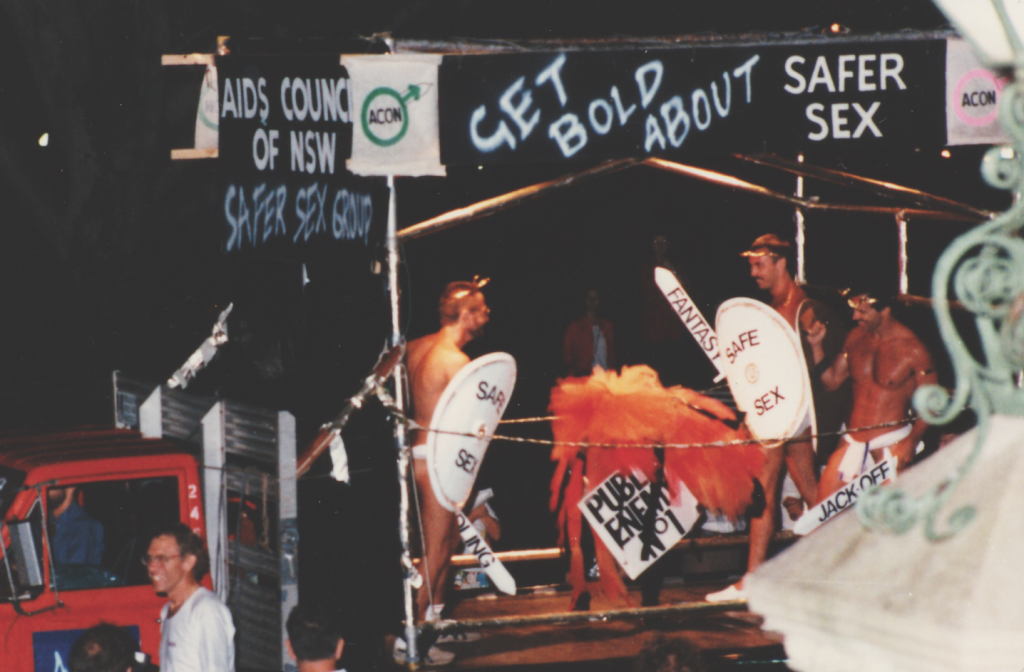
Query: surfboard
(463, 423)
(765, 366)
(476, 545)
(846, 497)
(690, 315)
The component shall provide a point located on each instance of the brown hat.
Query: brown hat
(769, 243)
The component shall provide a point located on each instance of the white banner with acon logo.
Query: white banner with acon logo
(394, 99)
(972, 98)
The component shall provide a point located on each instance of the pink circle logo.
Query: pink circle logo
(976, 97)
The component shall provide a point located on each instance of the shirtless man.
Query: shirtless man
(887, 363)
(433, 361)
(770, 258)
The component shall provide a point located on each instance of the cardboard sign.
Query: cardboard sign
(845, 497)
(691, 316)
(617, 509)
(472, 403)
(764, 362)
(476, 545)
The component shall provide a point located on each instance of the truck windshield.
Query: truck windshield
(100, 530)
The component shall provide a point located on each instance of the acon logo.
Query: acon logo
(976, 97)
(385, 114)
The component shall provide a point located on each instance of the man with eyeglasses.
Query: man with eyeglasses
(196, 630)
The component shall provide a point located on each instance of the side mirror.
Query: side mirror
(26, 564)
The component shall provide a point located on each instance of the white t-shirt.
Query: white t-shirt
(199, 638)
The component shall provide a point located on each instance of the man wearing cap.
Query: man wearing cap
(771, 259)
(433, 361)
(887, 363)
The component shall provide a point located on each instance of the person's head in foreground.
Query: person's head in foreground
(103, 648)
(314, 639)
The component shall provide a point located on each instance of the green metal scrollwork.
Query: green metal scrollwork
(985, 270)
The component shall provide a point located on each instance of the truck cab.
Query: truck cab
(56, 580)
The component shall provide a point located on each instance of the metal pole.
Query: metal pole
(901, 225)
(491, 206)
(801, 276)
(679, 610)
(412, 655)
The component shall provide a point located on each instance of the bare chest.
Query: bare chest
(873, 363)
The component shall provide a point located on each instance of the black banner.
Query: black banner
(679, 102)
(285, 131)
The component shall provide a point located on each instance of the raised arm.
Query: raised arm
(839, 370)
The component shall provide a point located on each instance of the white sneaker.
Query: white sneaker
(458, 637)
(435, 657)
(726, 595)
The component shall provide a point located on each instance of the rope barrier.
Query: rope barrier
(516, 421)
(712, 444)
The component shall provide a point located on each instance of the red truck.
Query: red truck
(127, 483)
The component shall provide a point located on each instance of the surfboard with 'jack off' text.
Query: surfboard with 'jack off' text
(846, 497)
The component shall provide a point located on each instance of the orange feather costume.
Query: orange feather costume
(633, 408)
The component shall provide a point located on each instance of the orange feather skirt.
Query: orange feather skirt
(632, 408)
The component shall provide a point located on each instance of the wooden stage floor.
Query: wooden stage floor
(728, 639)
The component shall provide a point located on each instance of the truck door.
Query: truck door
(96, 532)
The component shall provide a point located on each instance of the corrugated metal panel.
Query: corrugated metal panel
(250, 483)
(256, 612)
(129, 394)
(181, 414)
(248, 437)
(251, 432)
(253, 560)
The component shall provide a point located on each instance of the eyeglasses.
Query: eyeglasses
(158, 559)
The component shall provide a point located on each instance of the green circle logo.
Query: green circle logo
(385, 117)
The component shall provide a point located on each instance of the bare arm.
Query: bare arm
(815, 336)
(835, 375)
(923, 374)
(431, 376)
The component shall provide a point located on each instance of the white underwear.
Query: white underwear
(805, 425)
(419, 452)
(855, 460)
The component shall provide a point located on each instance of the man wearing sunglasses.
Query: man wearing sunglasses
(196, 630)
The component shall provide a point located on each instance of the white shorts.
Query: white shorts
(419, 452)
(855, 460)
(805, 425)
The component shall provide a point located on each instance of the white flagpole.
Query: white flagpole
(403, 450)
